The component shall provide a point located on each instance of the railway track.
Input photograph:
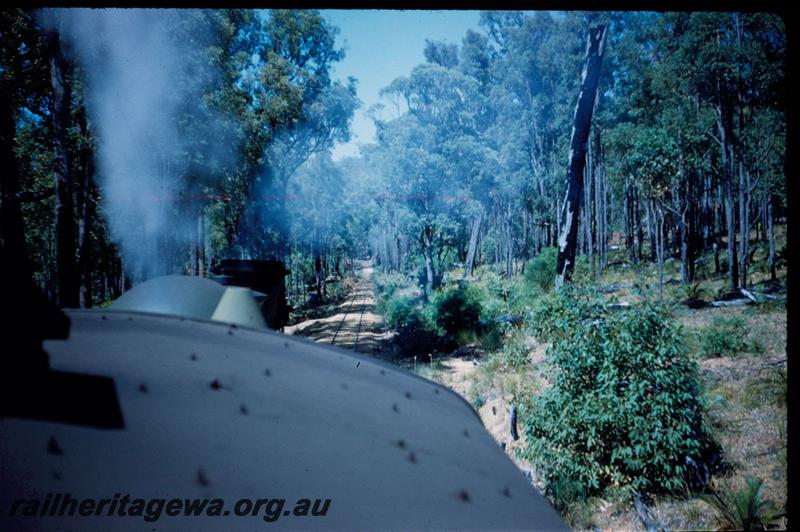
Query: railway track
(361, 296)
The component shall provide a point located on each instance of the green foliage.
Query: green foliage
(476, 399)
(401, 309)
(494, 293)
(491, 337)
(724, 337)
(540, 272)
(693, 292)
(623, 409)
(557, 314)
(515, 353)
(743, 509)
(457, 309)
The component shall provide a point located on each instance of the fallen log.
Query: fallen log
(756, 297)
(615, 287)
(748, 295)
(731, 303)
(650, 523)
(773, 364)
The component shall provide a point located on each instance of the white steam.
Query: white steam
(133, 68)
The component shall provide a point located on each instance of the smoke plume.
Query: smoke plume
(136, 88)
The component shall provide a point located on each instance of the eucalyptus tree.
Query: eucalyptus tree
(735, 62)
(23, 75)
(430, 151)
(282, 94)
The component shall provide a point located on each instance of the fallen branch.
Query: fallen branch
(645, 515)
(615, 287)
(774, 363)
(755, 297)
(748, 295)
(731, 303)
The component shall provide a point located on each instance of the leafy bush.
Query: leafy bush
(400, 302)
(387, 284)
(415, 335)
(540, 272)
(491, 336)
(556, 314)
(457, 309)
(493, 293)
(515, 353)
(724, 337)
(623, 409)
(401, 309)
(583, 271)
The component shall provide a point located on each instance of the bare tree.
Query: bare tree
(570, 209)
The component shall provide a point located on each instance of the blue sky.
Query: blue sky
(381, 45)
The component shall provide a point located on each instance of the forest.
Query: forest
(631, 248)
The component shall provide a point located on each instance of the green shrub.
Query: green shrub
(493, 293)
(416, 335)
(583, 271)
(491, 336)
(693, 292)
(557, 314)
(387, 284)
(623, 409)
(403, 309)
(540, 272)
(515, 353)
(724, 337)
(400, 309)
(457, 309)
(743, 509)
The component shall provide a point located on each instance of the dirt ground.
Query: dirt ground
(353, 323)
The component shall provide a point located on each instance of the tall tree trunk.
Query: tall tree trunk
(589, 177)
(473, 244)
(771, 236)
(509, 226)
(659, 222)
(629, 222)
(730, 218)
(602, 210)
(67, 271)
(718, 207)
(200, 244)
(651, 228)
(639, 226)
(682, 205)
(763, 236)
(427, 251)
(85, 230)
(725, 126)
(570, 211)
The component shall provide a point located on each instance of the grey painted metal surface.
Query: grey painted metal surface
(178, 295)
(215, 411)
